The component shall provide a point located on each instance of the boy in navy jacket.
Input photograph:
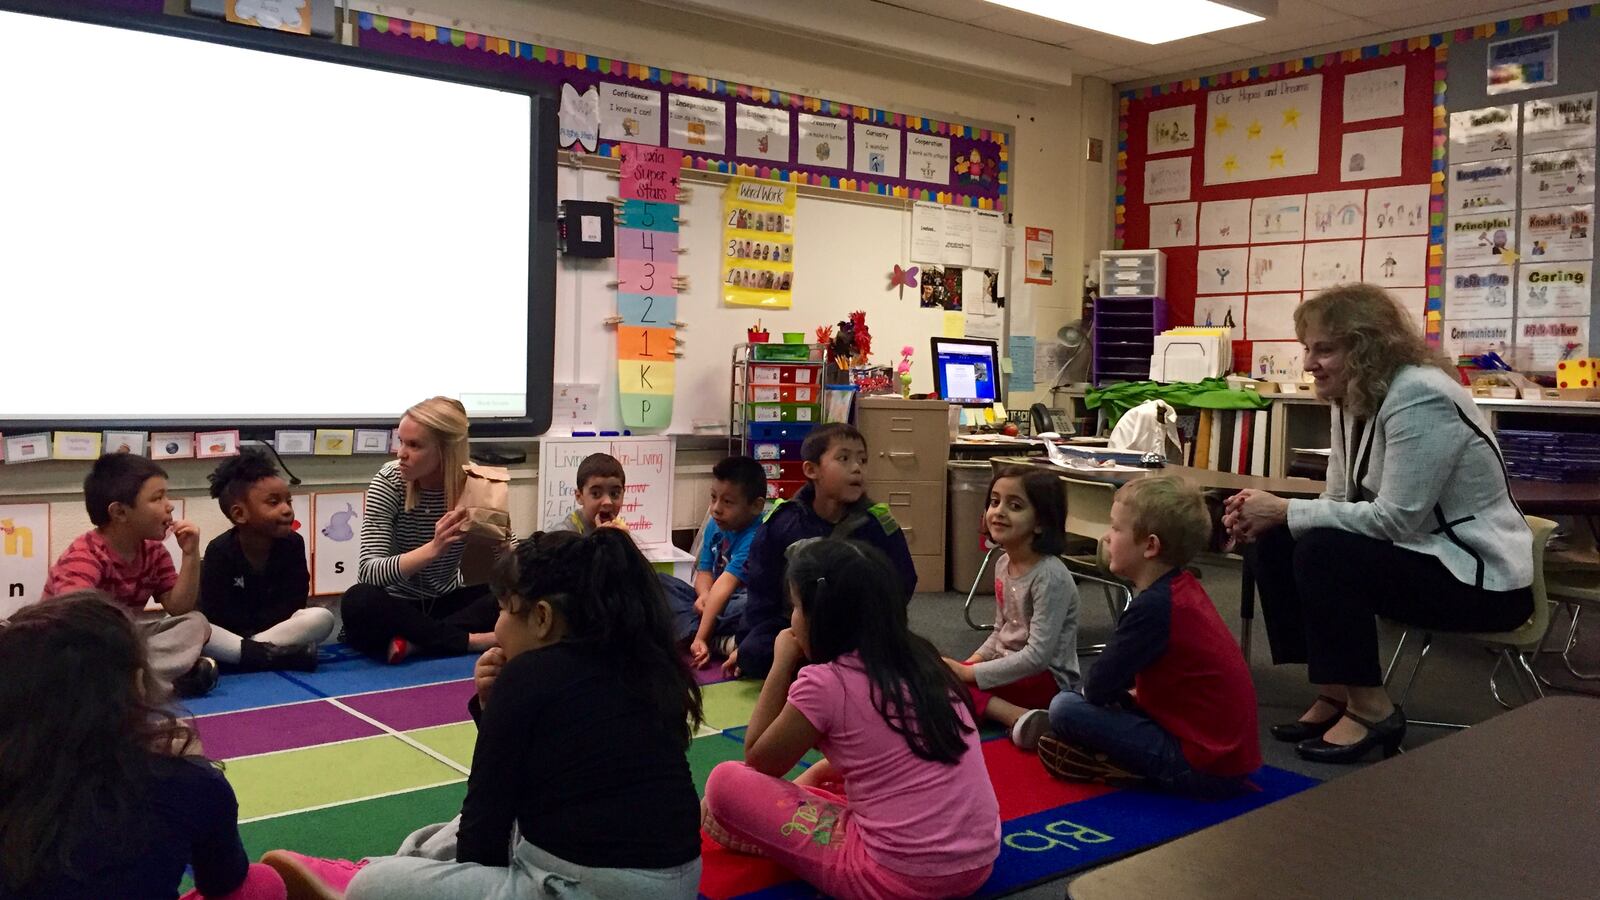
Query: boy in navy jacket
(834, 504)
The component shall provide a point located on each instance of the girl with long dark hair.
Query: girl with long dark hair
(99, 795)
(585, 712)
(896, 725)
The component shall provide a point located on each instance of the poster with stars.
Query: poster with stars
(1259, 131)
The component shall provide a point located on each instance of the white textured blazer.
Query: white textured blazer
(1426, 474)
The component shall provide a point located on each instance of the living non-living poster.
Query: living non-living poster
(1484, 292)
(1278, 219)
(1335, 215)
(1264, 130)
(336, 540)
(24, 554)
(1551, 179)
(1554, 289)
(1173, 224)
(1558, 233)
(1558, 123)
(758, 237)
(1488, 185)
(1224, 222)
(1479, 134)
(647, 463)
(1395, 262)
(1397, 211)
(647, 293)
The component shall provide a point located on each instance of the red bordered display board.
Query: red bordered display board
(1415, 118)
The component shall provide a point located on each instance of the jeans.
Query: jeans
(686, 622)
(439, 627)
(1133, 741)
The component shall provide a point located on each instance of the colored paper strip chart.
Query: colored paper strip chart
(647, 295)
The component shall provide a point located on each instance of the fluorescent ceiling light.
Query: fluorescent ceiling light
(1146, 21)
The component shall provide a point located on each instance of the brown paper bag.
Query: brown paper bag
(486, 499)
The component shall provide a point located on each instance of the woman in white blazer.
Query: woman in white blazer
(1417, 523)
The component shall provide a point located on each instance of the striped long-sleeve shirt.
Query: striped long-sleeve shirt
(389, 530)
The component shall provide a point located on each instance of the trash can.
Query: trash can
(969, 494)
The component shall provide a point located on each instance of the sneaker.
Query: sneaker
(310, 877)
(1029, 727)
(399, 649)
(292, 659)
(1070, 762)
(199, 680)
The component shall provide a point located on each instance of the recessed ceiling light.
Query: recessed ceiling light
(1146, 21)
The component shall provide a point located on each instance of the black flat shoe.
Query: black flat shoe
(1295, 732)
(1386, 734)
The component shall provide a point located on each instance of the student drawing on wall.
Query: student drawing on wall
(1358, 162)
(1222, 275)
(1177, 226)
(1389, 264)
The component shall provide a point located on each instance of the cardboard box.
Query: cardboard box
(1577, 373)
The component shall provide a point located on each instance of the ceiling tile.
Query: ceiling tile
(1293, 42)
(1126, 73)
(960, 10)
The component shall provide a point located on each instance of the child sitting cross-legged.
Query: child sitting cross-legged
(902, 806)
(1169, 704)
(580, 785)
(1033, 651)
(738, 497)
(254, 582)
(100, 795)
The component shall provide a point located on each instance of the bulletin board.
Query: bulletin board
(1270, 228)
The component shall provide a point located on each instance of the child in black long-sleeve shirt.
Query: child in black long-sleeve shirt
(584, 713)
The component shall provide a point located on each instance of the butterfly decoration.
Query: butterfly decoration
(903, 278)
(579, 118)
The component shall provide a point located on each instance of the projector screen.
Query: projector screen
(195, 231)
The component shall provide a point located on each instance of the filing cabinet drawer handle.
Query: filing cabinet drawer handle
(898, 454)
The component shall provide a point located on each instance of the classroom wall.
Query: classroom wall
(1052, 186)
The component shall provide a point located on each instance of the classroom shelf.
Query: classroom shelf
(774, 401)
(1125, 330)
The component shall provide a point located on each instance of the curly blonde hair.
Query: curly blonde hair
(1377, 335)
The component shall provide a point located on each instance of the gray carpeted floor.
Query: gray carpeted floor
(1453, 685)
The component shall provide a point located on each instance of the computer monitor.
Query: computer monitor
(966, 371)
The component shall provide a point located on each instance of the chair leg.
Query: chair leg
(1572, 641)
(966, 608)
(1399, 647)
(1494, 688)
(1427, 644)
(1527, 668)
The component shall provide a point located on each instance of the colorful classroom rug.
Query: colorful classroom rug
(347, 761)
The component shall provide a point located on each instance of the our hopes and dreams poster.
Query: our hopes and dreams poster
(1260, 131)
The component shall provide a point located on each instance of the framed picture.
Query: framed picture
(372, 441)
(77, 445)
(126, 442)
(212, 444)
(293, 443)
(394, 440)
(21, 448)
(335, 442)
(172, 445)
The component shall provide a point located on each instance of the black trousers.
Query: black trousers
(439, 627)
(1320, 593)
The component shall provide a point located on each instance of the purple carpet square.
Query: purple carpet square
(251, 731)
(416, 707)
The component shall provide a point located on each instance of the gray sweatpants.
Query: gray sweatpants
(426, 869)
(173, 643)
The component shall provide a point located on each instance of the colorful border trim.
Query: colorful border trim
(667, 78)
(1441, 42)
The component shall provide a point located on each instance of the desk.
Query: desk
(1503, 809)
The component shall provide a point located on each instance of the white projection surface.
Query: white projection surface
(196, 231)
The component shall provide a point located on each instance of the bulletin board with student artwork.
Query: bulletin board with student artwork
(1265, 185)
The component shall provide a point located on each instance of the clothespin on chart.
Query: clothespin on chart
(611, 320)
(677, 324)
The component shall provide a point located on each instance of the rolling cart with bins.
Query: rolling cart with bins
(776, 400)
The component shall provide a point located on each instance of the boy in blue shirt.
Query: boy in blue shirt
(738, 496)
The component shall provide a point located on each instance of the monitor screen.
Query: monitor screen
(197, 231)
(966, 370)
